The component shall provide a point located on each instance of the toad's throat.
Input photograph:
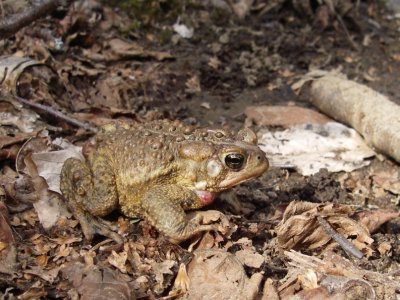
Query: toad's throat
(206, 197)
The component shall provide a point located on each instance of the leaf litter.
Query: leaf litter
(109, 76)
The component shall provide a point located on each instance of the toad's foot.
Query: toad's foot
(206, 218)
(164, 207)
(202, 221)
(92, 225)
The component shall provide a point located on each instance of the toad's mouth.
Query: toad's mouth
(206, 197)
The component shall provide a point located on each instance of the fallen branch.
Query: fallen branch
(15, 22)
(372, 114)
(58, 114)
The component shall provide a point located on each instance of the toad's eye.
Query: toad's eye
(234, 161)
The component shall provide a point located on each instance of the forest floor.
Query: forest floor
(128, 63)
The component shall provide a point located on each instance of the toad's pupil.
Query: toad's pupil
(234, 161)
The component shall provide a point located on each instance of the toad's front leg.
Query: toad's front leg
(164, 206)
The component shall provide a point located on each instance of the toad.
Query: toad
(157, 171)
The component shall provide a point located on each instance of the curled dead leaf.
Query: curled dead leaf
(373, 220)
(11, 68)
(300, 228)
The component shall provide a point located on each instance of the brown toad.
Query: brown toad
(157, 171)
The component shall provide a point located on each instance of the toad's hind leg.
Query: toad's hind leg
(89, 195)
(163, 207)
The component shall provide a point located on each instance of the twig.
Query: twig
(15, 22)
(331, 7)
(58, 114)
(340, 239)
(102, 243)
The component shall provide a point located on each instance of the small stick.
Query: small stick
(13, 23)
(58, 114)
(331, 7)
(340, 239)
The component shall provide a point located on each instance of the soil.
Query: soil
(228, 65)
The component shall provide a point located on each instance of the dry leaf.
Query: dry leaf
(269, 290)
(182, 281)
(384, 248)
(118, 260)
(216, 272)
(389, 180)
(162, 270)
(63, 251)
(373, 220)
(97, 283)
(337, 275)
(299, 227)
(285, 116)
(11, 68)
(48, 275)
(310, 147)
(49, 163)
(250, 258)
(48, 205)
(8, 254)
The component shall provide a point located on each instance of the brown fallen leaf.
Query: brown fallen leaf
(217, 274)
(18, 138)
(384, 248)
(118, 260)
(14, 114)
(250, 258)
(40, 167)
(389, 180)
(8, 253)
(193, 85)
(300, 228)
(373, 220)
(269, 291)
(162, 271)
(33, 293)
(241, 8)
(97, 282)
(285, 116)
(63, 251)
(48, 275)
